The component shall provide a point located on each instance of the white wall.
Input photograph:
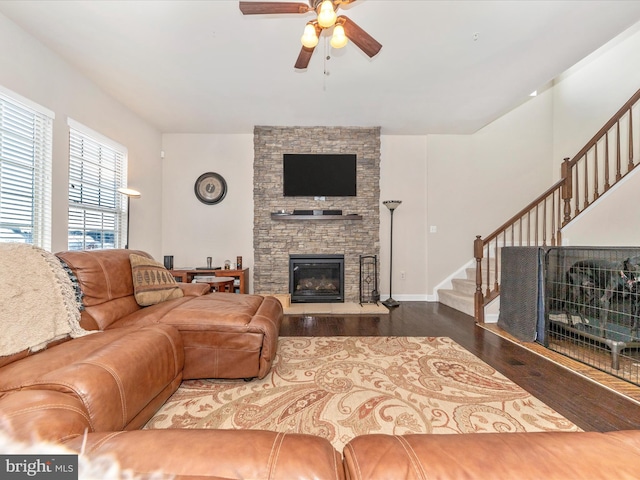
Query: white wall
(585, 98)
(589, 94)
(191, 230)
(36, 73)
(403, 176)
(462, 185)
(477, 182)
(612, 221)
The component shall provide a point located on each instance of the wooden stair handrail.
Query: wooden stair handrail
(607, 126)
(524, 211)
(580, 172)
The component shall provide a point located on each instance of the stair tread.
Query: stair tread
(454, 299)
(462, 294)
(466, 280)
(464, 285)
(471, 273)
(454, 293)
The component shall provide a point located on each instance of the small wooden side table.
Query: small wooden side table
(186, 275)
(218, 284)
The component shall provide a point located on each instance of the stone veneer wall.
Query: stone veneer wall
(274, 240)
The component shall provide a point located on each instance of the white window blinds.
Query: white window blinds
(97, 211)
(25, 171)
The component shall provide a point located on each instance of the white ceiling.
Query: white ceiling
(203, 67)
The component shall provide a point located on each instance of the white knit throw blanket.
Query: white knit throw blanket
(37, 300)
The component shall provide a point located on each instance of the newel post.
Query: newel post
(567, 189)
(478, 297)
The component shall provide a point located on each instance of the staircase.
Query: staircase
(461, 294)
(599, 165)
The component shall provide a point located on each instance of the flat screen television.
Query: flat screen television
(319, 175)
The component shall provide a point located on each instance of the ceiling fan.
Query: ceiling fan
(343, 28)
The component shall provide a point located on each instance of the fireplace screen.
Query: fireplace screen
(316, 278)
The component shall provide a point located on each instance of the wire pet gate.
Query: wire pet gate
(592, 302)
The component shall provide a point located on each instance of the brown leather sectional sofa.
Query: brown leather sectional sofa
(95, 392)
(225, 336)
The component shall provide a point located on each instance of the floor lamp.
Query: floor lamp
(391, 205)
(129, 193)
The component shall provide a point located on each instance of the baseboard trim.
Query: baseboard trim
(411, 298)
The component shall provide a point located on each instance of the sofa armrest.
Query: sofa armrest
(43, 415)
(267, 321)
(194, 289)
(498, 456)
(122, 383)
(229, 454)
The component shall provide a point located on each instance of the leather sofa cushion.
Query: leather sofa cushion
(44, 415)
(230, 454)
(106, 280)
(26, 353)
(499, 456)
(214, 312)
(225, 335)
(29, 369)
(116, 380)
(219, 312)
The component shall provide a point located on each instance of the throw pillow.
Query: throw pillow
(152, 283)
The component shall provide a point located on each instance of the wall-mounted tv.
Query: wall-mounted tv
(319, 175)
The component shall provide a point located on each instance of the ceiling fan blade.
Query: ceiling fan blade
(304, 57)
(357, 35)
(259, 8)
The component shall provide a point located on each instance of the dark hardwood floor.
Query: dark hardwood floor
(587, 404)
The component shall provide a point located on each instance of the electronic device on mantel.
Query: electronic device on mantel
(317, 212)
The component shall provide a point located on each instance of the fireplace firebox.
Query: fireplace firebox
(316, 278)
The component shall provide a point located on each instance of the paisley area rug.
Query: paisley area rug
(342, 387)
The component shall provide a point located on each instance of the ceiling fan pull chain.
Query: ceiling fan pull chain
(324, 67)
(327, 57)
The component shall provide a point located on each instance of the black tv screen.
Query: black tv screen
(319, 175)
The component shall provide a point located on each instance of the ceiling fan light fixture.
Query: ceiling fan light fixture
(342, 29)
(326, 14)
(309, 38)
(338, 39)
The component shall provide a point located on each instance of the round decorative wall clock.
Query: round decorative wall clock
(210, 188)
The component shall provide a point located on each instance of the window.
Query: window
(25, 170)
(97, 211)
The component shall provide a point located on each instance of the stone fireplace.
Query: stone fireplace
(316, 278)
(274, 240)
